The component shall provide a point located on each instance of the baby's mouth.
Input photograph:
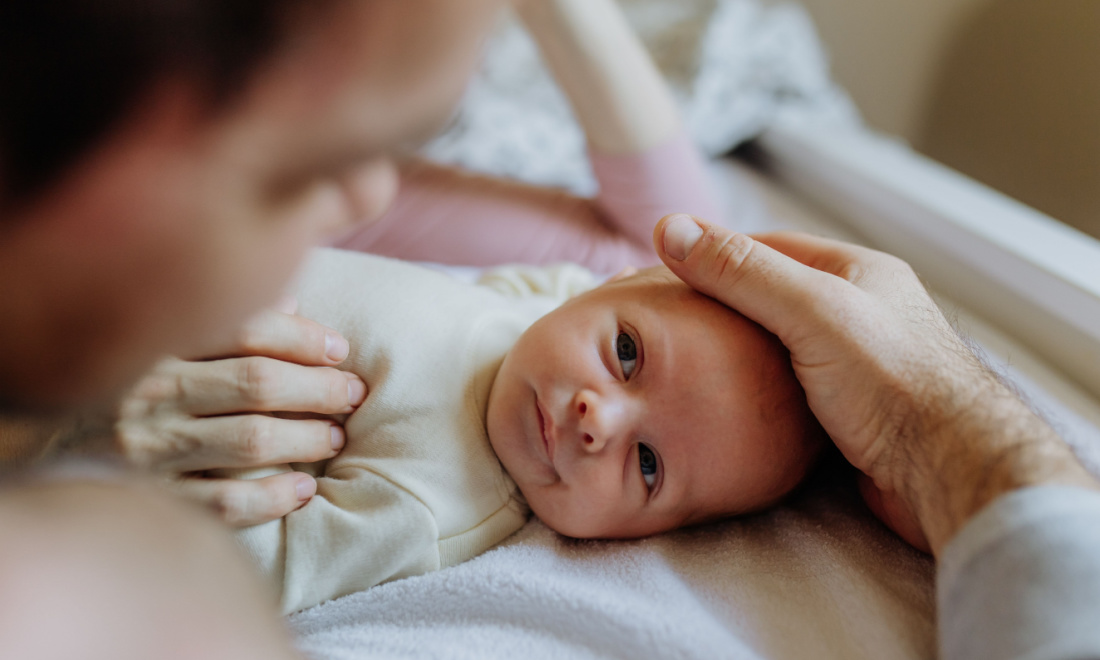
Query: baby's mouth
(544, 432)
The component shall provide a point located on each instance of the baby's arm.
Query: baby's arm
(358, 531)
(618, 95)
(645, 164)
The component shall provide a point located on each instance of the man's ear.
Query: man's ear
(622, 274)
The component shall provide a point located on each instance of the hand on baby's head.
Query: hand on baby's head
(642, 406)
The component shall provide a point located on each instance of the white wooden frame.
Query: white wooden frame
(1033, 277)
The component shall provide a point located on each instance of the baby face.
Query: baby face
(642, 406)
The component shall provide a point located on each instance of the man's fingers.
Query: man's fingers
(245, 502)
(287, 305)
(259, 384)
(744, 274)
(286, 337)
(243, 441)
(845, 260)
(277, 334)
(824, 254)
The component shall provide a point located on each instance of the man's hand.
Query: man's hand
(188, 417)
(888, 378)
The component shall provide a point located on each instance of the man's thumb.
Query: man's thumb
(706, 257)
(740, 272)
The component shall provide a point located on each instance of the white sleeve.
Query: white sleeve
(1022, 579)
(560, 281)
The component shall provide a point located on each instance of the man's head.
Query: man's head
(164, 166)
(642, 406)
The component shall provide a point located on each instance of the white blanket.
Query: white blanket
(815, 578)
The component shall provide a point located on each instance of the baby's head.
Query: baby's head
(642, 406)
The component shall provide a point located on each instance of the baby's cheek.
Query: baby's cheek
(539, 503)
(555, 510)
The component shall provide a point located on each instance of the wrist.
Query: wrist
(979, 441)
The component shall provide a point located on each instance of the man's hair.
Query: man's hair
(71, 69)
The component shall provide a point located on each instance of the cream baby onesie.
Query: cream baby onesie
(417, 486)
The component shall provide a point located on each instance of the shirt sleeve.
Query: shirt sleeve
(1022, 579)
(559, 282)
(359, 530)
(449, 216)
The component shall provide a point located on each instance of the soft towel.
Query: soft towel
(816, 578)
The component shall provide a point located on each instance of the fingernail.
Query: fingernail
(336, 347)
(681, 235)
(357, 391)
(306, 488)
(337, 437)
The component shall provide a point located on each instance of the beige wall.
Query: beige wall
(1018, 107)
(887, 53)
(1007, 91)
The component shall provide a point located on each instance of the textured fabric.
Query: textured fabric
(815, 578)
(1022, 580)
(417, 486)
(735, 66)
(446, 215)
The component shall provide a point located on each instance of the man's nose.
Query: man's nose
(371, 188)
(600, 419)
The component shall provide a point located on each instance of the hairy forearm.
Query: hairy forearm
(616, 91)
(971, 442)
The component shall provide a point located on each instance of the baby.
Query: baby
(635, 407)
(642, 406)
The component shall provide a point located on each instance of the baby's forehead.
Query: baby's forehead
(655, 274)
(656, 287)
(649, 280)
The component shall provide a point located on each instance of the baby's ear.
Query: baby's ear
(622, 274)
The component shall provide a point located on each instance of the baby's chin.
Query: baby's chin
(579, 526)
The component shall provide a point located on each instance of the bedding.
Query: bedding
(815, 577)
(735, 66)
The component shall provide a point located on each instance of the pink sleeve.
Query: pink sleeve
(449, 216)
(637, 190)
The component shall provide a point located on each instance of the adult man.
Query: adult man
(163, 168)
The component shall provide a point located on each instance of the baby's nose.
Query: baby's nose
(600, 420)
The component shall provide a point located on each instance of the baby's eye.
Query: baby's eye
(647, 460)
(627, 352)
